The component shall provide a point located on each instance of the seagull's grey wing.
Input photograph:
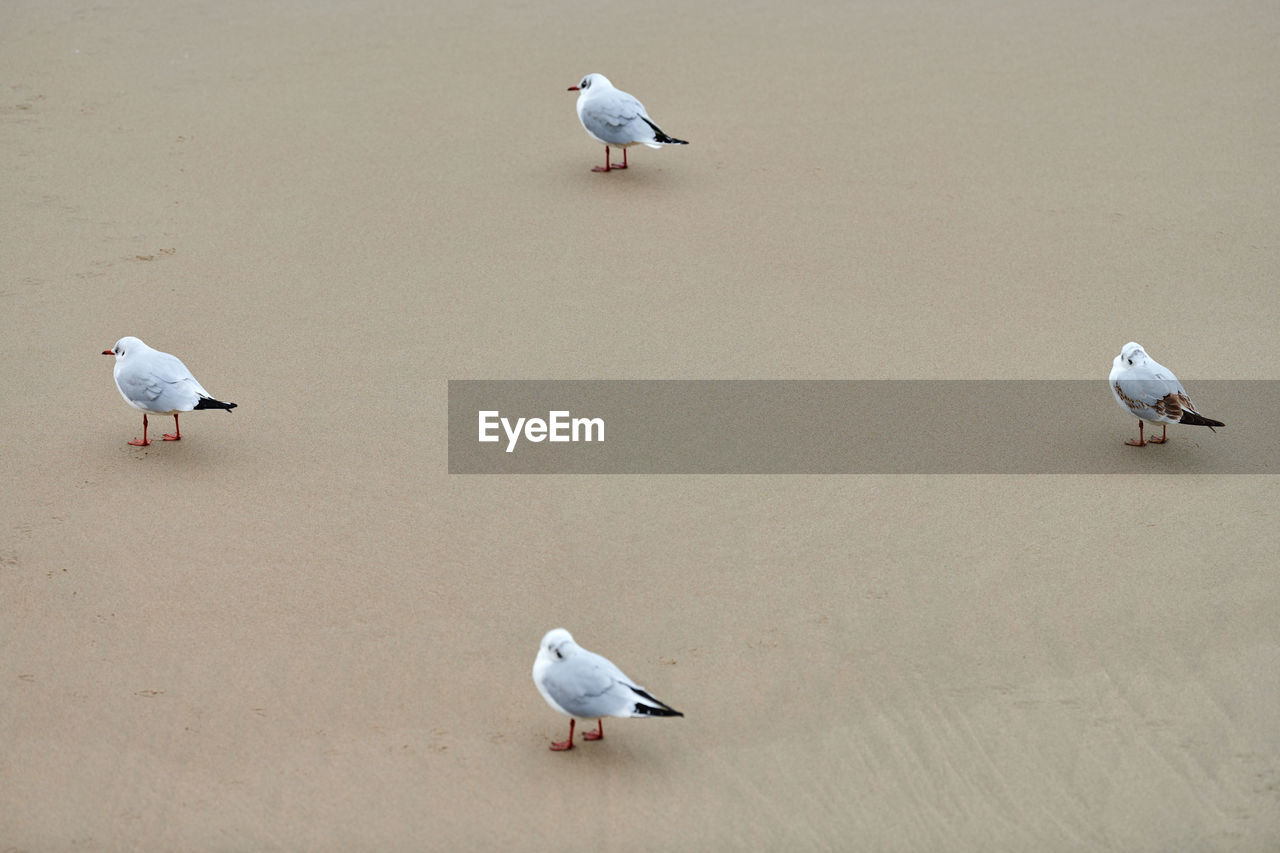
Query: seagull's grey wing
(169, 368)
(585, 685)
(142, 388)
(1152, 393)
(161, 383)
(617, 118)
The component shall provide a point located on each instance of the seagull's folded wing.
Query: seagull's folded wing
(584, 686)
(613, 118)
(142, 387)
(171, 370)
(1153, 395)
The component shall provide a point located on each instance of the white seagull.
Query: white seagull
(1147, 389)
(615, 118)
(583, 684)
(158, 383)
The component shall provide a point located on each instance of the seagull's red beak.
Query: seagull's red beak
(108, 352)
(573, 89)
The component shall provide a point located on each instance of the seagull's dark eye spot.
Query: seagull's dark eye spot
(560, 656)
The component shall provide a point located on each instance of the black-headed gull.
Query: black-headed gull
(615, 118)
(1147, 389)
(583, 684)
(159, 384)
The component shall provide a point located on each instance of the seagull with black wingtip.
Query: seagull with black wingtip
(1147, 389)
(617, 119)
(158, 383)
(583, 684)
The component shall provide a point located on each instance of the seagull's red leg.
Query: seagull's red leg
(144, 441)
(624, 160)
(176, 435)
(1164, 429)
(597, 734)
(606, 166)
(561, 746)
(1139, 442)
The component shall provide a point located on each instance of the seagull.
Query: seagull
(615, 118)
(1145, 388)
(580, 683)
(158, 383)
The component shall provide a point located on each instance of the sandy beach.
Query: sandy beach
(295, 630)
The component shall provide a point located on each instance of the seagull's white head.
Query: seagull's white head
(557, 645)
(1131, 355)
(124, 347)
(592, 82)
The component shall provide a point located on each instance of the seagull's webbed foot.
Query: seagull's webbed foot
(1140, 442)
(609, 167)
(144, 441)
(597, 734)
(562, 745)
(1164, 436)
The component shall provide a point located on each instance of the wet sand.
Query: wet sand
(294, 630)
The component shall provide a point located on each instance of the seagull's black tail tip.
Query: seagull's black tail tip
(659, 136)
(651, 707)
(1196, 419)
(210, 403)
